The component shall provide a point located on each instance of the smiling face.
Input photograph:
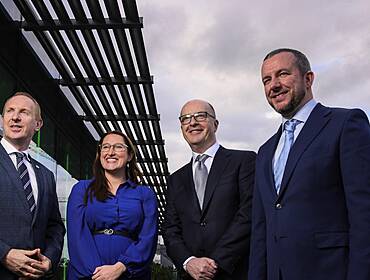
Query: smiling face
(112, 161)
(200, 135)
(286, 88)
(21, 120)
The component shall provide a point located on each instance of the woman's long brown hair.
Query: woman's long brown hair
(99, 187)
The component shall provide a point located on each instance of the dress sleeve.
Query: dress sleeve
(139, 254)
(84, 257)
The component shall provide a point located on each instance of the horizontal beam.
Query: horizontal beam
(96, 118)
(74, 24)
(156, 174)
(150, 160)
(105, 81)
(139, 142)
(149, 142)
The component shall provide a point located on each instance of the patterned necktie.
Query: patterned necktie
(25, 178)
(200, 176)
(279, 166)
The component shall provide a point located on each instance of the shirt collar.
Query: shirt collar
(129, 183)
(10, 149)
(303, 113)
(211, 151)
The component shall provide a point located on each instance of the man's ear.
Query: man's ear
(216, 125)
(39, 124)
(308, 79)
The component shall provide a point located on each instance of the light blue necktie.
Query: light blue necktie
(279, 166)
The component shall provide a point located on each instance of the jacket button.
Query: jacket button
(278, 206)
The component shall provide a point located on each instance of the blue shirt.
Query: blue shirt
(302, 115)
(132, 209)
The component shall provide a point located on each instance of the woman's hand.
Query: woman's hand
(109, 272)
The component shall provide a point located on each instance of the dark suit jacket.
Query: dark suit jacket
(17, 228)
(220, 231)
(318, 227)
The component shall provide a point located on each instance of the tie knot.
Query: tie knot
(291, 125)
(20, 156)
(201, 158)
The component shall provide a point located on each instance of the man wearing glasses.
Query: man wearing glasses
(207, 219)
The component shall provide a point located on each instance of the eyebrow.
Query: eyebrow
(278, 72)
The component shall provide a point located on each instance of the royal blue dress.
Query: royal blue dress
(133, 209)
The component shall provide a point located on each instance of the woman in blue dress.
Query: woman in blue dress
(112, 219)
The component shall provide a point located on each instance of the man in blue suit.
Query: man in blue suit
(311, 204)
(31, 229)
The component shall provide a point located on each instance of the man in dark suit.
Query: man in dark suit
(208, 219)
(31, 229)
(311, 205)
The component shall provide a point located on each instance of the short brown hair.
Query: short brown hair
(301, 60)
(26, 94)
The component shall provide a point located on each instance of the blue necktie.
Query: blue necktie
(279, 166)
(200, 177)
(25, 178)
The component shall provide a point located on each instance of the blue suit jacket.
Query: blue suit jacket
(17, 228)
(318, 227)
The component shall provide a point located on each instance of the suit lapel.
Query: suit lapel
(268, 163)
(219, 163)
(13, 175)
(190, 187)
(315, 123)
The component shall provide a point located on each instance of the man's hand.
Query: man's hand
(109, 272)
(25, 263)
(44, 263)
(201, 268)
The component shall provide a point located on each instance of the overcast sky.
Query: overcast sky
(213, 50)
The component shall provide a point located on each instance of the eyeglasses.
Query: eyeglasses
(199, 117)
(118, 147)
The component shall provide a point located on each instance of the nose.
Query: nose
(111, 150)
(275, 84)
(193, 121)
(15, 115)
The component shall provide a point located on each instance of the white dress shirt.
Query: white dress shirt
(210, 152)
(10, 149)
(302, 115)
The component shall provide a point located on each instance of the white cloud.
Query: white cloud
(213, 50)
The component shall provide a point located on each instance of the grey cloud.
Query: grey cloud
(213, 50)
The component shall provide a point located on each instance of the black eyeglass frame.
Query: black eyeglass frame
(186, 119)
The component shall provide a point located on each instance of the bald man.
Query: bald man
(207, 219)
